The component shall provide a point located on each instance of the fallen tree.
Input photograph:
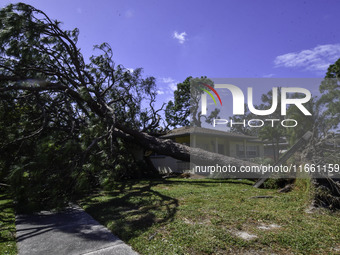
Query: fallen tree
(64, 117)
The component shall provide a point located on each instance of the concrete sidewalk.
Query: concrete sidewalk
(71, 231)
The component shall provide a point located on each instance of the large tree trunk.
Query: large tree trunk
(182, 152)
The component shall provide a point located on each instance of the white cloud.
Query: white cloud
(166, 80)
(173, 86)
(130, 70)
(168, 86)
(180, 37)
(316, 59)
(170, 83)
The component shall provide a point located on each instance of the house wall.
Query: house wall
(213, 144)
(166, 164)
(226, 146)
(205, 143)
(183, 140)
(233, 149)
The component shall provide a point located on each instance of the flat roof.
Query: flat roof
(184, 131)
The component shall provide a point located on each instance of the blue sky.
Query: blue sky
(172, 40)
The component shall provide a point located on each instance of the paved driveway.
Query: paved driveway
(71, 231)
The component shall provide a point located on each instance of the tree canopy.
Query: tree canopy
(61, 116)
(184, 110)
(67, 124)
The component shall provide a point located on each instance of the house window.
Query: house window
(252, 150)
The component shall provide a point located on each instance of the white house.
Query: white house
(226, 143)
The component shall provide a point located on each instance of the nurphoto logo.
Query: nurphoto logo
(282, 98)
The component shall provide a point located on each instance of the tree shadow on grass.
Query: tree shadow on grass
(5, 215)
(135, 206)
(132, 209)
(7, 229)
(129, 211)
(209, 182)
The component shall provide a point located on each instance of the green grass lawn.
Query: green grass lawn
(185, 216)
(7, 226)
